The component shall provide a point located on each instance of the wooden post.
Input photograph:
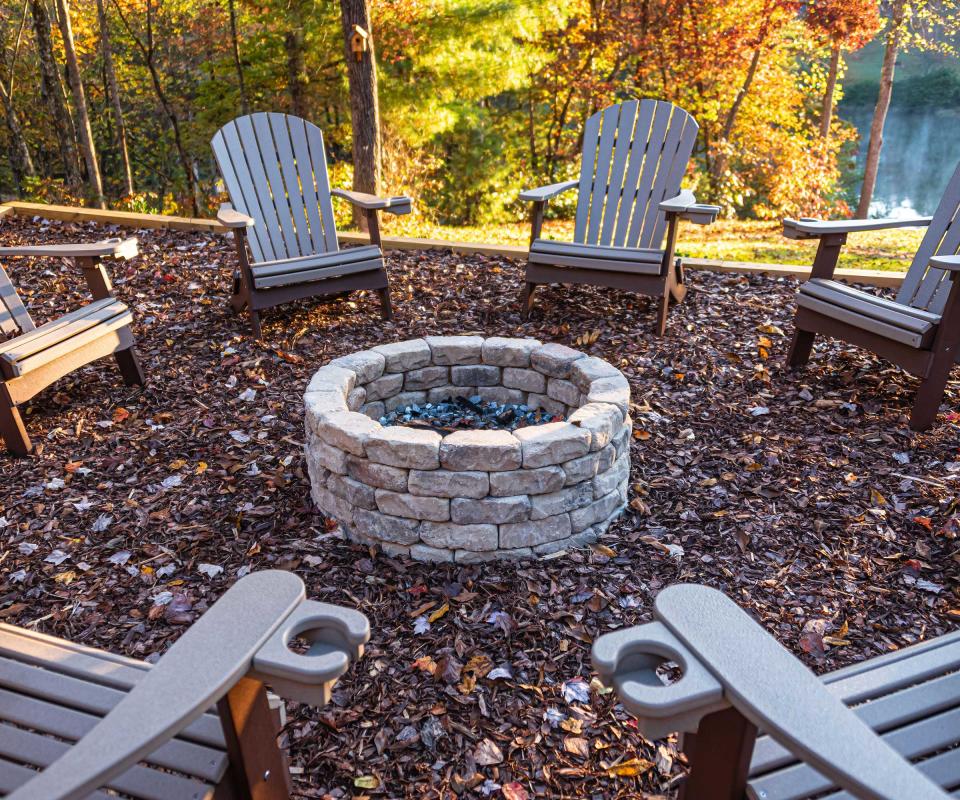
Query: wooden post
(259, 767)
(719, 755)
(364, 102)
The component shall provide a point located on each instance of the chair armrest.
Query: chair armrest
(779, 695)
(401, 204)
(112, 248)
(229, 217)
(949, 263)
(685, 206)
(198, 670)
(544, 193)
(815, 228)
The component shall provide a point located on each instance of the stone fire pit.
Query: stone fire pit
(471, 495)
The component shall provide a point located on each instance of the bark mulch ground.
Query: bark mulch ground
(805, 497)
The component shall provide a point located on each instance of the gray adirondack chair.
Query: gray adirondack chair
(919, 331)
(849, 733)
(195, 725)
(34, 357)
(275, 170)
(628, 196)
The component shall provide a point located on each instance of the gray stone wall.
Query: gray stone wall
(471, 495)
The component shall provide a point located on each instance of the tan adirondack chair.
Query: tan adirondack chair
(275, 170)
(33, 358)
(849, 733)
(628, 197)
(919, 331)
(197, 725)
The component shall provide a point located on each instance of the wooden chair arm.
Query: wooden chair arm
(198, 670)
(401, 204)
(685, 206)
(779, 695)
(815, 228)
(109, 248)
(229, 217)
(544, 193)
(949, 263)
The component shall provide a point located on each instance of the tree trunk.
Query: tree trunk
(53, 94)
(235, 40)
(826, 114)
(113, 92)
(719, 166)
(880, 112)
(296, 68)
(364, 104)
(17, 151)
(146, 48)
(87, 144)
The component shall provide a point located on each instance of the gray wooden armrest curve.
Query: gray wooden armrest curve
(543, 193)
(229, 217)
(628, 659)
(199, 669)
(949, 263)
(806, 228)
(779, 695)
(336, 637)
(686, 207)
(400, 204)
(112, 248)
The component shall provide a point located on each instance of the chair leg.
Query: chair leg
(663, 309)
(719, 756)
(255, 323)
(12, 429)
(386, 310)
(928, 399)
(129, 366)
(800, 348)
(678, 287)
(237, 299)
(257, 764)
(526, 299)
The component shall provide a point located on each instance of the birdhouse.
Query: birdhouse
(358, 42)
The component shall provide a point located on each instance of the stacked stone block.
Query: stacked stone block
(472, 495)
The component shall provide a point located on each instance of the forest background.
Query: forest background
(114, 102)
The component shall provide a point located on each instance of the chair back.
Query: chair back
(634, 158)
(928, 288)
(14, 318)
(275, 170)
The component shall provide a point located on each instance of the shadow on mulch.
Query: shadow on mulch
(804, 496)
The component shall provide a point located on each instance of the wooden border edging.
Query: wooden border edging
(871, 277)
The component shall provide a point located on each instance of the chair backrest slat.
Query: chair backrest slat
(634, 158)
(275, 170)
(628, 116)
(923, 287)
(600, 193)
(14, 318)
(641, 132)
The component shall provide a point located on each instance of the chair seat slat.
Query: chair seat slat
(139, 781)
(319, 274)
(894, 332)
(61, 328)
(13, 776)
(943, 769)
(65, 723)
(911, 741)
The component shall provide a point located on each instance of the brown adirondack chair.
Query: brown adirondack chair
(919, 331)
(275, 170)
(36, 357)
(76, 722)
(634, 158)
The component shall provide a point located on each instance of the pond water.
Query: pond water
(921, 150)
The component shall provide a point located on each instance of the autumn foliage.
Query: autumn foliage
(478, 100)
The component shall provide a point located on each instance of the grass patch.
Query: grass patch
(728, 240)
